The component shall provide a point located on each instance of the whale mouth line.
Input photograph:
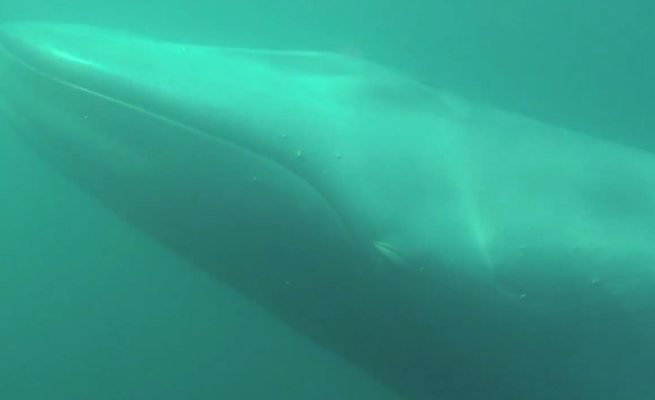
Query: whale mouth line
(210, 138)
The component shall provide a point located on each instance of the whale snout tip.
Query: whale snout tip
(16, 37)
(22, 36)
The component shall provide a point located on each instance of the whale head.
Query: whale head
(183, 128)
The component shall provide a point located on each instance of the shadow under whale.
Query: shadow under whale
(448, 249)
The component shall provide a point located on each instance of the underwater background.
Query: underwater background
(90, 308)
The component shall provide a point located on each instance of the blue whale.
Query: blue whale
(450, 250)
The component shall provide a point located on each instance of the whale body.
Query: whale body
(451, 250)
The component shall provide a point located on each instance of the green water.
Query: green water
(92, 309)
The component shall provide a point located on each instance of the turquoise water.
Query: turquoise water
(92, 309)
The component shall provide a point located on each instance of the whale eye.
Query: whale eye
(387, 253)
